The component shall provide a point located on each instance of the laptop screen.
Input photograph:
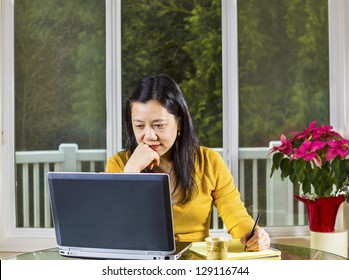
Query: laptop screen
(112, 211)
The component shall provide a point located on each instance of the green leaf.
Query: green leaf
(306, 186)
(277, 158)
(285, 167)
(299, 167)
(272, 170)
(312, 174)
(327, 192)
(294, 178)
(339, 167)
(336, 165)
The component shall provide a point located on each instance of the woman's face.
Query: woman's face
(154, 125)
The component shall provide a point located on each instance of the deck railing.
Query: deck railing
(33, 204)
(258, 191)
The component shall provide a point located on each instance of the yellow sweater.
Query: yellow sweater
(215, 187)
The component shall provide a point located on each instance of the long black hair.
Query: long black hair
(166, 91)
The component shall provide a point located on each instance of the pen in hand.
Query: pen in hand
(253, 229)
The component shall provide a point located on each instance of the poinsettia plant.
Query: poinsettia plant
(316, 160)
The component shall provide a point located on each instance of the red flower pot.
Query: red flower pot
(322, 212)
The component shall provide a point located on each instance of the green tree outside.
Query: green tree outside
(60, 66)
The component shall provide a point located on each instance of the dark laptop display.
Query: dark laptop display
(104, 215)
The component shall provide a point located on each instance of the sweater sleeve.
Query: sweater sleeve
(117, 162)
(226, 198)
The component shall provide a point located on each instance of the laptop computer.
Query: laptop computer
(113, 215)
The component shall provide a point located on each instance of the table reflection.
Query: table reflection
(288, 252)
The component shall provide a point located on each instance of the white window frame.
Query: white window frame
(22, 239)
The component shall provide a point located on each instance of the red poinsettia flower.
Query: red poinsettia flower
(305, 133)
(308, 150)
(315, 159)
(337, 148)
(325, 133)
(285, 147)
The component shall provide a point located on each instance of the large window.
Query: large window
(59, 74)
(283, 54)
(59, 93)
(183, 39)
(283, 67)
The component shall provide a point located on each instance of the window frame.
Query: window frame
(22, 239)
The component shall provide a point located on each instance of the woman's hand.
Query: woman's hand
(258, 242)
(142, 157)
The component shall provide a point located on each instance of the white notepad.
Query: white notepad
(236, 251)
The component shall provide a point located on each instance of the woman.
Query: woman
(162, 139)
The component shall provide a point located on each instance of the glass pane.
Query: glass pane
(182, 39)
(59, 96)
(283, 86)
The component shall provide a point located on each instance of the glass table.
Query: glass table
(288, 252)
